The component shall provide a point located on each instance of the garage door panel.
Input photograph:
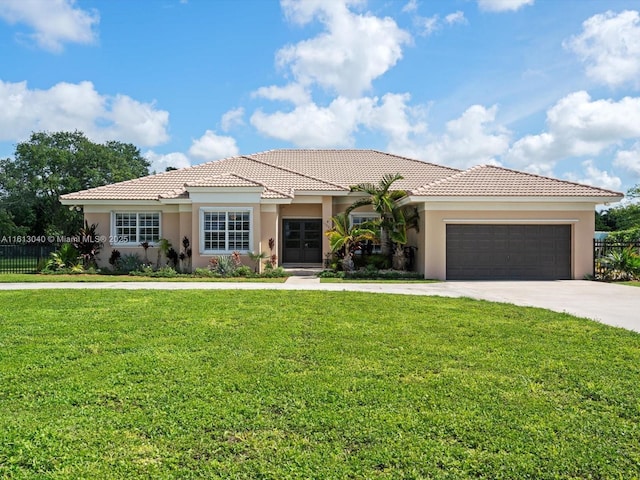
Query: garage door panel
(508, 252)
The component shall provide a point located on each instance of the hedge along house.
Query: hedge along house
(486, 222)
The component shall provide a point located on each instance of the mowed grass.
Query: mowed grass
(282, 384)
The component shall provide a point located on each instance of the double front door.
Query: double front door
(302, 241)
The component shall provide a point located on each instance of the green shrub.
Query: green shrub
(65, 258)
(622, 264)
(625, 236)
(277, 272)
(130, 262)
(243, 271)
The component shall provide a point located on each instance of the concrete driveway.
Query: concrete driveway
(616, 305)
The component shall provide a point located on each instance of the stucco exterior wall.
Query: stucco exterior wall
(581, 217)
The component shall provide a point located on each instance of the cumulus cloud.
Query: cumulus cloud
(578, 126)
(54, 22)
(313, 126)
(211, 147)
(609, 45)
(232, 118)
(78, 106)
(472, 139)
(592, 175)
(503, 5)
(352, 51)
(160, 162)
(629, 160)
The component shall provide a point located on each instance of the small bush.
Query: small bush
(243, 271)
(65, 258)
(130, 262)
(277, 272)
(148, 271)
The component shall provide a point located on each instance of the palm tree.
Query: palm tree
(343, 236)
(404, 219)
(383, 200)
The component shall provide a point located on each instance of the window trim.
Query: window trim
(201, 231)
(114, 237)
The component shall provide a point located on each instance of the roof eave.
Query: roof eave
(597, 200)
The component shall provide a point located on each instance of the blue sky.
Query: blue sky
(545, 86)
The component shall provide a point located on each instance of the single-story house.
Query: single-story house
(486, 222)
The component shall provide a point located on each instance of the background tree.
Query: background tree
(51, 164)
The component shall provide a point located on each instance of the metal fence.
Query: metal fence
(24, 258)
(602, 249)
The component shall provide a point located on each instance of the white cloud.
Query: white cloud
(427, 25)
(472, 139)
(55, 22)
(410, 7)
(293, 92)
(71, 106)
(629, 160)
(353, 50)
(137, 122)
(313, 126)
(591, 175)
(232, 118)
(609, 45)
(213, 147)
(503, 5)
(160, 162)
(455, 17)
(578, 126)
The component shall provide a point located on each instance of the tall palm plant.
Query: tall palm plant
(383, 200)
(343, 235)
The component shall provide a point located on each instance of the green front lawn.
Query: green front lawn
(633, 283)
(283, 384)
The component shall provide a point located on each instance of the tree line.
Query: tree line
(48, 165)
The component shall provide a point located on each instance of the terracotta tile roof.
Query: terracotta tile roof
(283, 173)
(490, 180)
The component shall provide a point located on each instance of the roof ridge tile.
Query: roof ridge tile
(285, 169)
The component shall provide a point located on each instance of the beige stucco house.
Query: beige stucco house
(486, 222)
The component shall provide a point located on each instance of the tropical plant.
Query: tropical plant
(383, 200)
(66, 257)
(115, 259)
(130, 262)
(257, 257)
(172, 258)
(623, 264)
(163, 249)
(223, 265)
(186, 253)
(88, 244)
(145, 245)
(343, 236)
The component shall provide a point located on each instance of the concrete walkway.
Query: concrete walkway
(616, 305)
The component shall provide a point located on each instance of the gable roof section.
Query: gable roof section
(284, 173)
(493, 181)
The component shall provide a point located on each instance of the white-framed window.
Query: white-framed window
(133, 228)
(360, 218)
(225, 230)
